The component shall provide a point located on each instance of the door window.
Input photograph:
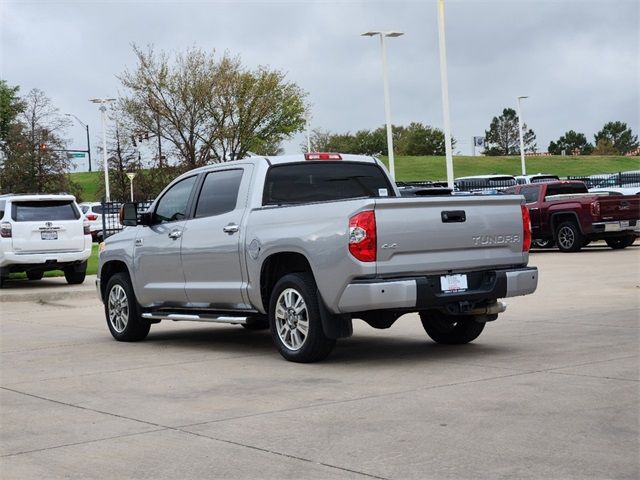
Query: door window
(219, 193)
(173, 204)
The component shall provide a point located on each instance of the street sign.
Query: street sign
(77, 155)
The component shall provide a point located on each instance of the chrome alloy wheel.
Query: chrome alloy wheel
(118, 308)
(292, 319)
(566, 237)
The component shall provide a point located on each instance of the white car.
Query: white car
(536, 178)
(39, 233)
(617, 190)
(93, 212)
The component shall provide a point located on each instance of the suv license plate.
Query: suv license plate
(453, 283)
(49, 235)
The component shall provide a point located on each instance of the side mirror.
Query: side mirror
(129, 215)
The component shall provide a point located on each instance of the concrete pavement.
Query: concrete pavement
(550, 390)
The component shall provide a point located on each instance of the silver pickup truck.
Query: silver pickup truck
(303, 244)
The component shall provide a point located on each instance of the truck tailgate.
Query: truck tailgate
(440, 234)
(617, 207)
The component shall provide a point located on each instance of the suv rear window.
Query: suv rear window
(46, 210)
(298, 183)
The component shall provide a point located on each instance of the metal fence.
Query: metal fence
(111, 216)
(620, 179)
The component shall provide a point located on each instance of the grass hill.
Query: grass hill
(433, 168)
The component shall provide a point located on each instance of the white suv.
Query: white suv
(93, 212)
(43, 232)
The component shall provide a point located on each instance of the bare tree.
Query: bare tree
(210, 110)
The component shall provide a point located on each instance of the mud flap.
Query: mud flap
(334, 326)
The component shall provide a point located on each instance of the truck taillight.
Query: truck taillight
(87, 228)
(526, 229)
(595, 209)
(362, 236)
(5, 230)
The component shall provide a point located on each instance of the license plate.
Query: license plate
(49, 235)
(453, 283)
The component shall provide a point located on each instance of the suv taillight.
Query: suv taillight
(526, 229)
(362, 236)
(5, 230)
(595, 209)
(87, 228)
(91, 216)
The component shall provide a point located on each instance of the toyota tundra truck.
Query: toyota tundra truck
(304, 244)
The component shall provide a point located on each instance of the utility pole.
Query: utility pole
(86, 126)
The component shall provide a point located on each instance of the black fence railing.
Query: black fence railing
(621, 179)
(111, 216)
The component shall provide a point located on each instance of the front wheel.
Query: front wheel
(123, 312)
(450, 329)
(619, 243)
(569, 237)
(294, 319)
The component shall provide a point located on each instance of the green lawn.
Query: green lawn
(92, 267)
(433, 168)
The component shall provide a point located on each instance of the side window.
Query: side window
(173, 204)
(219, 193)
(530, 194)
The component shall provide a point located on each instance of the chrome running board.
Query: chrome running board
(210, 317)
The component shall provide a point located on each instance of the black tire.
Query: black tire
(544, 243)
(35, 275)
(285, 322)
(450, 329)
(618, 243)
(569, 238)
(257, 322)
(122, 311)
(76, 274)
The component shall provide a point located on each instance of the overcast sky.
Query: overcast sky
(579, 61)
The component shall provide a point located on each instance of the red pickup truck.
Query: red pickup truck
(565, 213)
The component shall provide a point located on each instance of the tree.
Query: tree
(502, 137)
(422, 140)
(604, 147)
(34, 161)
(10, 107)
(619, 136)
(211, 110)
(572, 143)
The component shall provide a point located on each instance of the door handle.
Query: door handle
(231, 228)
(175, 234)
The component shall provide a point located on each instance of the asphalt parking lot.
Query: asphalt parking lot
(550, 390)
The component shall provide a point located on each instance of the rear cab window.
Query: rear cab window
(36, 211)
(308, 182)
(566, 189)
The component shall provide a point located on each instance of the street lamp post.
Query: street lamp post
(131, 176)
(444, 82)
(524, 168)
(86, 126)
(387, 102)
(103, 111)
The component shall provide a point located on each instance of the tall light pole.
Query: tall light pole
(86, 126)
(444, 84)
(103, 111)
(131, 176)
(387, 102)
(524, 168)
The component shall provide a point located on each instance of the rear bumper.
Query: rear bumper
(52, 259)
(421, 293)
(615, 227)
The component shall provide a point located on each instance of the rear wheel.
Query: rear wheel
(35, 275)
(75, 274)
(450, 329)
(121, 308)
(619, 243)
(294, 318)
(569, 238)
